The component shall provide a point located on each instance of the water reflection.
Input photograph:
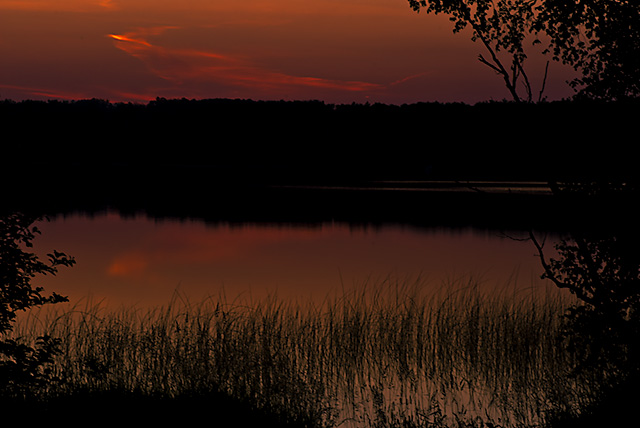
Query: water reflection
(141, 261)
(357, 360)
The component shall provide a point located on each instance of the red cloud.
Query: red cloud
(181, 66)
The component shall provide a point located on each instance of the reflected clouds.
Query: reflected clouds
(178, 246)
(131, 260)
(130, 265)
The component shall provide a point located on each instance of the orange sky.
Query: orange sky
(334, 50)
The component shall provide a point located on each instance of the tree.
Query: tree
(23, 366)
(600, 265)
(604, 273)
(600, 39)
(503, 27)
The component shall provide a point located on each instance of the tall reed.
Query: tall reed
(395, 353)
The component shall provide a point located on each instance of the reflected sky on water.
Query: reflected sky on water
(143, 261)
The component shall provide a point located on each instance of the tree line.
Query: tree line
(492, 138)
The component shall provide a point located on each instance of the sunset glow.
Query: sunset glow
(335, 51)
(127, 39)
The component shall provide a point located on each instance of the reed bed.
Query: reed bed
(394, 354)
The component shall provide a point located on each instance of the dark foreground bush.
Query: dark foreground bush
(127, 409)
(615, 408)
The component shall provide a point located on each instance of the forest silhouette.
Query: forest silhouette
(250, 160)
(501, 140)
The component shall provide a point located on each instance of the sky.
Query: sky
(337, 51)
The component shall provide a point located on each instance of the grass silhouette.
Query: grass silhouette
(393, 355)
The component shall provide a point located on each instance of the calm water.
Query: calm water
(143, 261)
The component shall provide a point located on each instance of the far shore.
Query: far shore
(425, 164)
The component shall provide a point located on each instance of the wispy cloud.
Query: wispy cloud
(409, 78)
(183, 66)
(60, 5)
(36, 92)
(107, 4)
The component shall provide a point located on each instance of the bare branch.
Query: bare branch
(544, 81)
(497, 65)
(527, 85)
(547, 269)
(487, 63)
(549, 274)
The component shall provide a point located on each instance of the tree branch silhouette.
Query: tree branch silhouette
(599, 39)
(501, 26)
(23, 366)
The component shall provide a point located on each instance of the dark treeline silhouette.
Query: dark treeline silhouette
(493, 139)
(218, 158)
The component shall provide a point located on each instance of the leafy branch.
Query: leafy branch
(23, 366)
(501, 26)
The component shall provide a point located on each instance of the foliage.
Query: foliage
(501, 26)
(23, 366)
(600, 265)
(604, 273)
(601, 39)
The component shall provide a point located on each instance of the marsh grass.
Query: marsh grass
(393, 354)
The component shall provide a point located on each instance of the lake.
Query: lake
(139, 260)
(465, 335)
